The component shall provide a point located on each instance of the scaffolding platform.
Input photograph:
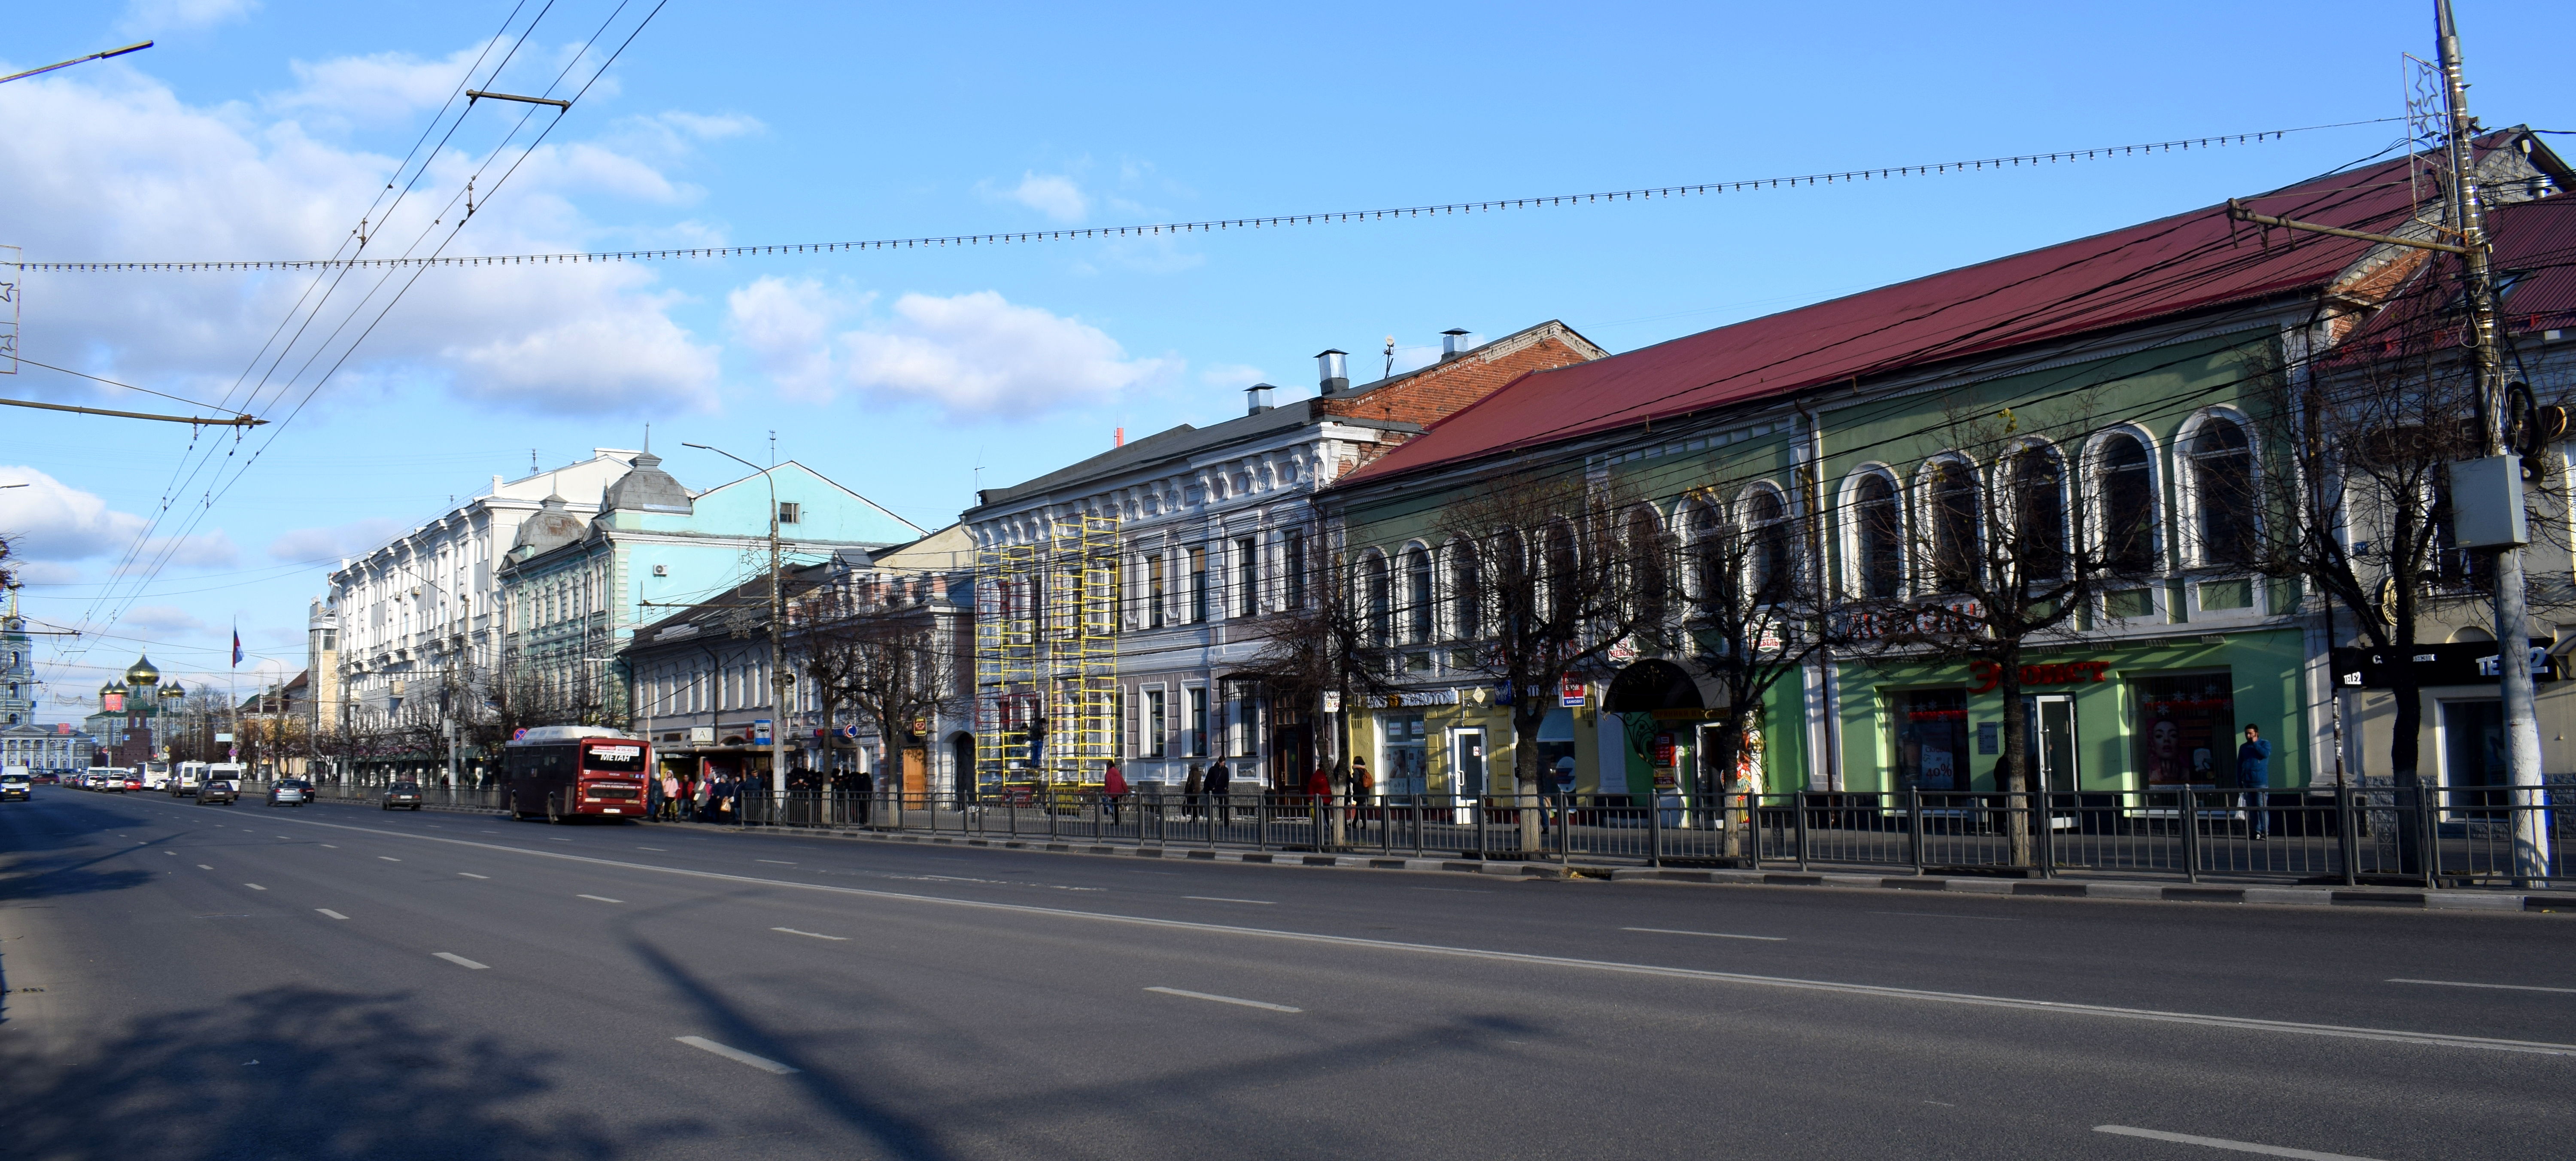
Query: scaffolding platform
(1046, 655)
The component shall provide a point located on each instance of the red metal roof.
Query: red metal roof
(2167, 266)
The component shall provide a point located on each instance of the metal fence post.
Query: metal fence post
(1261, 821)
(1914, 825)
(1655, 831)
(2347, 837)
(2190, 814)
(2045, 818)
(2429, 813)
(1798, 809)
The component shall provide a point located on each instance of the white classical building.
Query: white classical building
(431, 597)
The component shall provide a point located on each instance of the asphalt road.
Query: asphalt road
(199, 981)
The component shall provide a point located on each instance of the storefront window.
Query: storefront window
(1404, 760)
(2185, 726)
(1932, 739)
(2473, 758)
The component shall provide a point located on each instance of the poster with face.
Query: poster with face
(1932, 739)
(2183, 723)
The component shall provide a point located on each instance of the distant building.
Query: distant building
(57, 747)
(18, 684)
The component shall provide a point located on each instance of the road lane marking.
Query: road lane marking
(330, 847)
(1223, 899)
(172, 854)
(813, 934)
(254, 886)
(2504, 987)
(472, 875)
(203, 867)
(656, 849)
(330, 912)
(1968, 999)
(601, 898)
(778, 861)
(2223, 1143)
(389, 858)
(461, 961)
(1946, 915)
(737, 1055)
(1709, 934)
(1226, 999)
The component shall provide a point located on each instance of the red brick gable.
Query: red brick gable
(1433, 393)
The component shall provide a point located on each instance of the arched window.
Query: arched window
(2039, 516)
(2128, 490)
(1379, 595)
(1649, 569)
(2222, 477)
(1708, 537)
(1768, 559)
(1466, 592)
(1417, 595)
(1953, 503)
(1879, 546)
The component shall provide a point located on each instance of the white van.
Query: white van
(156, 775)
(185, 780)
(225, 772)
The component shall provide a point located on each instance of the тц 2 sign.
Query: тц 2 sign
(1988, 675)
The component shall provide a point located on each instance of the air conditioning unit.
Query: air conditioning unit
(661, 570)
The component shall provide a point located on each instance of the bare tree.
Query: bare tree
(881, 654)
(2006, 555)
(1559, 573)
(1751, 593)
(1333, 634)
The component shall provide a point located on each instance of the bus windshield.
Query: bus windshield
(614, 758)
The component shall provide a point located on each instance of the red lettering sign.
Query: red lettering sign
(1988, 675)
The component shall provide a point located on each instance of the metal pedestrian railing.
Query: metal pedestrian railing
(2354, 836)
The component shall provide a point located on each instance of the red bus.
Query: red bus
(560, 773)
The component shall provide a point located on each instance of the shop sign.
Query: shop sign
(2462, 663)
(760, 731)
(702, 734)
(1421, 697)
(1988, 675)
(1332, 701)
(1663, 751)
(1623, 651)
(1961, 617)
(1569, 693)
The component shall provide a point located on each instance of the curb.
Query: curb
(2255, 895)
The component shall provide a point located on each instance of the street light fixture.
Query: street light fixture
(76, 60)
(779, 681)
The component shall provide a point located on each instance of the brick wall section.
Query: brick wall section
(1435, 392)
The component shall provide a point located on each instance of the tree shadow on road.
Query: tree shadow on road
(289, 1072)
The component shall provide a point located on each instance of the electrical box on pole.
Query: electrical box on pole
(2486, 503)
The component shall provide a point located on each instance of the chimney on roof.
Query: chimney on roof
(1256, 398)
(1336, 375)
(1453, 343)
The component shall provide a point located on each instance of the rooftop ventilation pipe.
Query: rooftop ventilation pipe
(1330, 367)
(1256, 398)
(1453, 343)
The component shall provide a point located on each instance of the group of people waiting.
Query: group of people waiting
(673, 798)
(1211, 788)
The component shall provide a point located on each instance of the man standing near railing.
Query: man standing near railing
(1113, 786)
(2254, 773)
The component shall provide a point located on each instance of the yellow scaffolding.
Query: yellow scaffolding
(1046, 655)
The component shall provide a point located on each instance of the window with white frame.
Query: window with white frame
(2222, 492)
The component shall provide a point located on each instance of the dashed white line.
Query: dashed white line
(601, 898)
(736, 1055)
(461, 961)
(203, 867)
(1709, 934)
(172, 854)
(813, 934)
(2224, 1143)
(780, 862)
(1223, 899)
(2503, 987)
(389, 858)
(472, 875)
(254, 886)
(1226, 1000)
(654, 849)
(329, 846)
(330, 912)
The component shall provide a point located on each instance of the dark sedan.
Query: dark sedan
(218, 790)
(401, 795)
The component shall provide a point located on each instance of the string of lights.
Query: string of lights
(1280, 221)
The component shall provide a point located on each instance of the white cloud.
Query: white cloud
(1054, 195)
(164, 16)
(196, 550)
(49, 520)
(351, 539)
(384, 87)
(130, 171)
(164, 619)
(970, 354)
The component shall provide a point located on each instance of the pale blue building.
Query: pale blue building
(574, 589)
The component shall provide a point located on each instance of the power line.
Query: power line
(1544, 201)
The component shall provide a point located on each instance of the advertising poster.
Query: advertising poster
(1932, 740)
(2185, 729)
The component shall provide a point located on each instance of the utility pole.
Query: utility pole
(781, 685)
(2512, 617)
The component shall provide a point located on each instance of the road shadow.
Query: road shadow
(289, 1072)
(65, 849)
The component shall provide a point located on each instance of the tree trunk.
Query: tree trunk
(1525, 772)
(1725, 745)
(2014, 776)
(2403, 743)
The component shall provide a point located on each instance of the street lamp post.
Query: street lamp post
(779, 682)
(76, 60)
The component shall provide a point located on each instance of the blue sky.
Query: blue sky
(263, 129)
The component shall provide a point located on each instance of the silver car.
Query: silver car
(289, 792)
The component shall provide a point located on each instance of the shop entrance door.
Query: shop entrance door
(2052, 754)
(1467, 759)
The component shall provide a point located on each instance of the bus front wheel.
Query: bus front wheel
(554, 811)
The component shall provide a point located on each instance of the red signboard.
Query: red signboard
(1988, 675)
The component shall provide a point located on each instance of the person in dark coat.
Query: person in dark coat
(1191, 788)
(2254, 774)
(1220, 783)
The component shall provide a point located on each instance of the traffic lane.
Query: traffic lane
(2213, 958)
(949, 953)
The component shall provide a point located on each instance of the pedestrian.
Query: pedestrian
(1319, 784)
(2254, 773)
(1220, 784)
(1191, 787)
(670, 797)
(1113, 787)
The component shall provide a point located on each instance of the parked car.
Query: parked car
(402, 794)
(217, 790)
(16, 784)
